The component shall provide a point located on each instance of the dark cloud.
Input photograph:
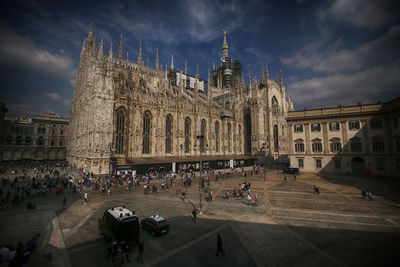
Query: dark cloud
(370, 14)
(15, 49)
(330, 51)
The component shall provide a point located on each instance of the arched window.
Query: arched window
(336, 146)
(18, 140)
(378, 144)
(187, 134)
(120, 136)
(40, 141)
(168, 134)
(146, 132)
(316, 145)
(240, 138)
(276, 138)
(203, 126)
(28, 140)
(299, 145)
(356, 144)
(229, 137)
(217, 136)
(275, 106)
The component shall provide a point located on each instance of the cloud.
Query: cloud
(333, 60)
(15, 49)
(260, 54)
(370, 14)
(57, 98)
(365, 86)
(195, 21)
(66, 102)
(54, 96)
(23, 110)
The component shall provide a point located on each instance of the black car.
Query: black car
(156, 225)
(291, 170)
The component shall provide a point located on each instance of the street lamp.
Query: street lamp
(180, 166)
(201, 182)
(110, 149)
(265, 162)
(224, 158)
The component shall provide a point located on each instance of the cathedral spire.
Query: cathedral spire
(139, 59)
(266, 72)
(127, 54)
(262, 73)
(91, 42)
(91, 28)
(90, 34)
(280, 80)
(100, 54)
(110, 53)
(209, 87)
(172, 61)
(249, 79)
(225, 46)
(185, 66)
(120, 49)
(197, 73)
(157, 63)
(148, 65)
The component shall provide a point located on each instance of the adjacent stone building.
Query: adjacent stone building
(125, 114)
(39, 138)
(359, 139)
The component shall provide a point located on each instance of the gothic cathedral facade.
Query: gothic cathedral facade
(126, 113)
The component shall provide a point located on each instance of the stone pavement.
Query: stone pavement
(290, 226)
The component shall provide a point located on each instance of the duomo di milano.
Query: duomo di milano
(127, 115)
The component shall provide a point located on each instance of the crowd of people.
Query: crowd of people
(19, 255)
(32, 179)
(242, 191)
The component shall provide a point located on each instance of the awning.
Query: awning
(162, 160)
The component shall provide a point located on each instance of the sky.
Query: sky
(331, 52)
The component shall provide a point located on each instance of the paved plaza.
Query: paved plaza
(290, 226)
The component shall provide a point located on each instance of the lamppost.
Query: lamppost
(180, 166)
(110, 149)
(201, 182)
(225, 158)
(265, 162)
(265, 159)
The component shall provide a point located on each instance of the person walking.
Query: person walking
(194, 213)
(219, 245)
(140, 249)
(112, 250)
(85, 198)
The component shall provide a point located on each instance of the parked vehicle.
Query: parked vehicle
(291, 170)
(156, 225)
(120, 224)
